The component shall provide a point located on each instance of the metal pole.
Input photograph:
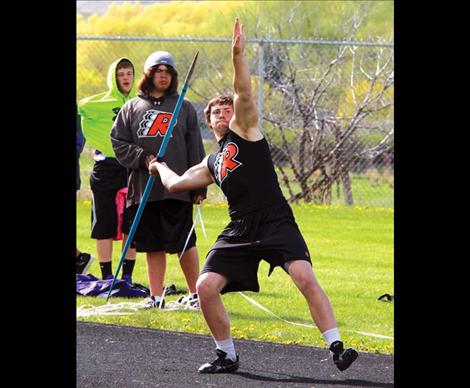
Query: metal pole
(261, 85)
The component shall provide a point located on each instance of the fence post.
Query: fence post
(261, 85)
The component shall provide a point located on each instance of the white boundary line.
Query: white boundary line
(254, 302)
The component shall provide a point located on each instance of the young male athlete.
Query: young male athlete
(262, 223)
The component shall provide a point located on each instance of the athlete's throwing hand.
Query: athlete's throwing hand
(153, 170)
(238, 40)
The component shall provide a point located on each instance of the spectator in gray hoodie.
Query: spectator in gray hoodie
(136, 137)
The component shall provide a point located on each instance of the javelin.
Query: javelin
(151, 179)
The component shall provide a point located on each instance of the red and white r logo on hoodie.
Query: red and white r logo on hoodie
(155, 123)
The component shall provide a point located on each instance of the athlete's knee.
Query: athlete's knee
(201, 285)
(208, 284)
(307, 282)
(312, 286)
(205, 289)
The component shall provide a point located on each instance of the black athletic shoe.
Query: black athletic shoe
(83, 262)
(342, 358)
(221, 365)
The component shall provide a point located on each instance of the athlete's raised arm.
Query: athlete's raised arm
(245, 118)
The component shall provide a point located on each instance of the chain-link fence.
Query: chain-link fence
(326, 106)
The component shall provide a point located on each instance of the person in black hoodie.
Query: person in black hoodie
(262, 224)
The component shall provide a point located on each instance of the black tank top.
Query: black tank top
(245, 172)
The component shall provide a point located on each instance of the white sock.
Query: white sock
(228, 347)
(331, 335)
(156, 298)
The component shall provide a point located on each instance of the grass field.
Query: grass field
(352, 255)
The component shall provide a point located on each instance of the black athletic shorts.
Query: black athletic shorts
(164, 226)
(104, 217)
(269, 234)
(108, 174)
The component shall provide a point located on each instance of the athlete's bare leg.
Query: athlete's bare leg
(209, 286)
(318, 303)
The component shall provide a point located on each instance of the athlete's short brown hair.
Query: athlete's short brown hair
(226, 99)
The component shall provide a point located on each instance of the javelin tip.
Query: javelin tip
(191, 68)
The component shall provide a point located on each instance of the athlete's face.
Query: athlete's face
(125, 79)
(220, 118)
(162, 79)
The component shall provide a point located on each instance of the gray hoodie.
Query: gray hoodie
(138, 132)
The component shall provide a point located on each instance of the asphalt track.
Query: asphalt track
(122, 356)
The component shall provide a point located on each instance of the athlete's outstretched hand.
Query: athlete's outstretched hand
(153, 169)
(238, 40)
(149, 159)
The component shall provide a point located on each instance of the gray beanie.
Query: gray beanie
(159, 58)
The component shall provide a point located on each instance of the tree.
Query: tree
(314, 127)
